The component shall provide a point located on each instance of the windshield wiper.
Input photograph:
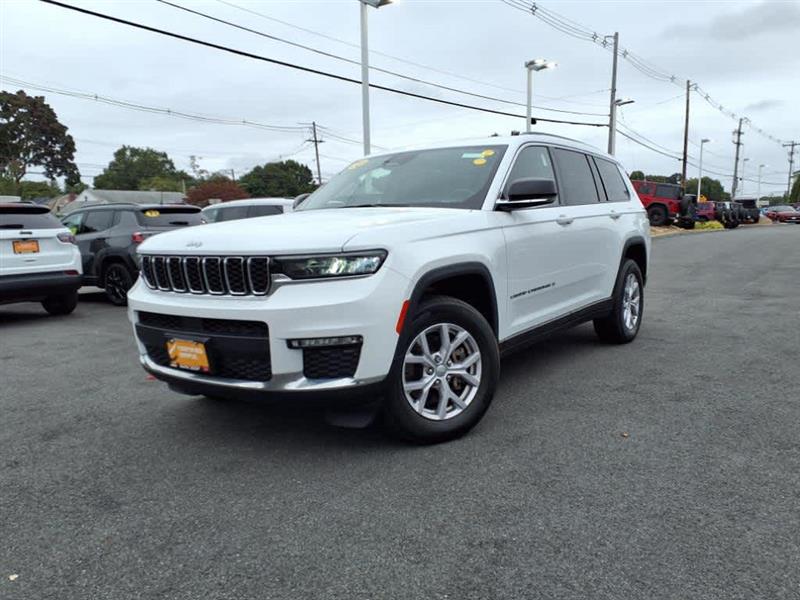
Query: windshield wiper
(373, 205)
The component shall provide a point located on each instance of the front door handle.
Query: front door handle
(614, 214)
(564, 220)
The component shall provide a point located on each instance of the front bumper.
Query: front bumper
(366, 307)
(34, 286)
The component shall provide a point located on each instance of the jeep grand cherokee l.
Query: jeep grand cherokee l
(403, 278)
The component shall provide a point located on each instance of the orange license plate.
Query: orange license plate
(188, 354)
(26, 246)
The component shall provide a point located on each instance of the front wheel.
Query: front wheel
(61, 305)
(622, 324)
(445, 375)
(658, 215)
(117, 281)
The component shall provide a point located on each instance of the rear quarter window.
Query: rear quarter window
(614, 184)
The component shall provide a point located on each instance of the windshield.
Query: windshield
(442, 177)
(784, 209)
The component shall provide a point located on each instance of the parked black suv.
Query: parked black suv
(108, 235)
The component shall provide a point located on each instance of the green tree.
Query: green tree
(38, 189)
(160, 183)
(637, 176)
(712, 189)
(794, 195)
(32, 136)
(132, 168)
(288, 178)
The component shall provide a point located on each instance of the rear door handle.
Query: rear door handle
(564, 220)
(614, 214)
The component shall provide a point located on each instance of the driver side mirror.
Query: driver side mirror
(527, 192)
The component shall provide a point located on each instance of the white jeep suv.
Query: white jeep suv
(403, 278)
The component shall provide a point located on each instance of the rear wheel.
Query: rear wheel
(445, 376)
(658, 215)
(622, 324)
(117, 281)
(63, 304)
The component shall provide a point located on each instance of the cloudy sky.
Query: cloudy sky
(744, 54)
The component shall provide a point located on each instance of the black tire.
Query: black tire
(61, 305)
(658, 215)
(405, 421)
(117, 280)
(613, 328)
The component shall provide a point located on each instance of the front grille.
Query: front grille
(331, 363)
(218, 275)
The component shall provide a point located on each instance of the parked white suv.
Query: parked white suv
(246, 209)
(406, 277)
(39, 261)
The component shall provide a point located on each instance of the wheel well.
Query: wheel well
(638, 254)
(472, 288)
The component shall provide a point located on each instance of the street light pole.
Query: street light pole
(703, 142)
(537, 64)
(744, 162)
(612, 114)
(365, 69)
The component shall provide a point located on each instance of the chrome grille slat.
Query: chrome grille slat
(216, 275)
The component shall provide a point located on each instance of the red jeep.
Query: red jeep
(664, 202)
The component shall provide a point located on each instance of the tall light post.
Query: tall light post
(758, 193)
(744, 162)
(612, 123)
(612, 108)
(703, 142)
(537, 64)
(365, 68)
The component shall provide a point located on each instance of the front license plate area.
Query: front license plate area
(190, 355)
(26, 246)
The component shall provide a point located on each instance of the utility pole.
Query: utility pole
(738, 144)
(612, 110)
(791, 146)
(686, 134)
(317, 142)
(233, 176)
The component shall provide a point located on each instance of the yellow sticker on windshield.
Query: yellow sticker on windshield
(479, 162)
(151, 213)
(358, 164)
(487, 153)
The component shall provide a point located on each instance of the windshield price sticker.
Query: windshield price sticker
(151, 213)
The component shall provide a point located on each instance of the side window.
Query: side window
(73, 222)
(576, 183)
(615, 187)
(127, 219)
(265, 210)
(667, 191)
(647, 189)
(231, 213)
(98, 220)
(532, 161)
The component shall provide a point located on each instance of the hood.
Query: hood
(308, 231)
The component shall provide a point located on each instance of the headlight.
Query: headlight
(341, 265)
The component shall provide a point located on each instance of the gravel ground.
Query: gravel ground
(668, 468)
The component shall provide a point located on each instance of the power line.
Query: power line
(372, 68)
(304, 68)
(399, 59)
(579, 31)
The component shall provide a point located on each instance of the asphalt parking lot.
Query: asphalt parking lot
(668, 468)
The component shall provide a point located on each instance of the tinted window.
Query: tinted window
(168, 216)
(668, 191)
(441, 177)
(647, 188)
(10, 219)
(73, 222)
(616, 190)
(264, 211)
(97, 220)
(575, 180)
(532, 161)
(231, 213)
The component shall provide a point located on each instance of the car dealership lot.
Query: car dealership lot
(667, 468)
